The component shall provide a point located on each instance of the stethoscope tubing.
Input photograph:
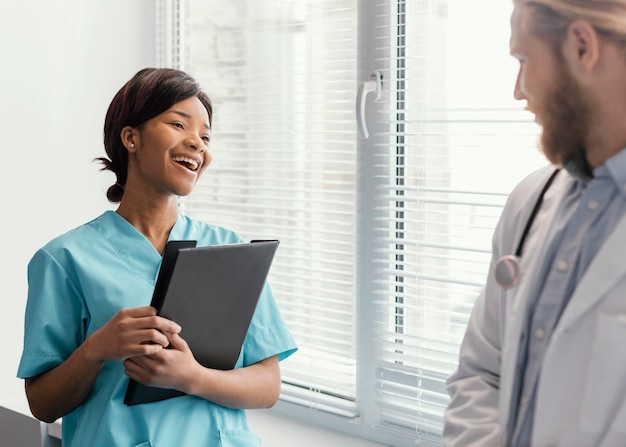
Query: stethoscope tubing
(508, 270)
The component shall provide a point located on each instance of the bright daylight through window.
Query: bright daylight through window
(384, 241)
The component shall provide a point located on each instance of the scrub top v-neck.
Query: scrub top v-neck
(77, 282)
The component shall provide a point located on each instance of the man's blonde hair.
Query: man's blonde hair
(608, 17)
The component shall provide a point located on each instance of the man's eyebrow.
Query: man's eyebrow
(186, 115)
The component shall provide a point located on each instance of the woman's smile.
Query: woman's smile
(190, 163)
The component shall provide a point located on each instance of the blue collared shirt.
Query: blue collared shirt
(589, 212)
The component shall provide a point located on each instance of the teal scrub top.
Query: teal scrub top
(77, 282)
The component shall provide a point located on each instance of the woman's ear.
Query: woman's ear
(128, 136)
(581, 48)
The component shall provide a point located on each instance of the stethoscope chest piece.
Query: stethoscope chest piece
(508, 271)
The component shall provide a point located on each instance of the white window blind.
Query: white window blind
(282, 75)
(384, 241)
(453, 142)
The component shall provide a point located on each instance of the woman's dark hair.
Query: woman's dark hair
(149, 93)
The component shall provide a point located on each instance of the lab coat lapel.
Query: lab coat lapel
(522, 301)
(515, 324)
(605, 270)
(522, 298)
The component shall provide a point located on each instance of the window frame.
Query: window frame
(372, 178)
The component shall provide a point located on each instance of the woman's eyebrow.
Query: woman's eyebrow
(186, 115)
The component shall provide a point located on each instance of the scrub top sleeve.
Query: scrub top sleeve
(268, 334)
(54, 319)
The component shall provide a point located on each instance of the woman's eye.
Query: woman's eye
(179, 125)
(206, 139)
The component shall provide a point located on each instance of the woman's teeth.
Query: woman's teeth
(189, 163)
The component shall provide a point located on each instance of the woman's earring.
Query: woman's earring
(132, 145)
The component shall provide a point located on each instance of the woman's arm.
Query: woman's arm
(254, 386)
(130, 332)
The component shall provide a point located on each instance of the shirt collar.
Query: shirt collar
(615, 168)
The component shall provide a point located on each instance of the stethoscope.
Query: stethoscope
(508, 269)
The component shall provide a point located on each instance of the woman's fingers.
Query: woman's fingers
(163, 368)
(132, 332)
(177, 342)
(146, 317)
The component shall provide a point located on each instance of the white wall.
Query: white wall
(61, 63)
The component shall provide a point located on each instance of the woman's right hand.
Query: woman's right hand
(131, 332)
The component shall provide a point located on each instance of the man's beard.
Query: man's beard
(565, 122)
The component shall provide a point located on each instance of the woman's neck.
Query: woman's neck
(153, 219)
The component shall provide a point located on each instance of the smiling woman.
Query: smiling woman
(171, 147)
(149, 94)
(88, 323)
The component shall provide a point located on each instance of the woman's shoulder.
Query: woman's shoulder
(74, 234)
(80, 237)
(209, 234)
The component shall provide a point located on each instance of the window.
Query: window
(385, 240)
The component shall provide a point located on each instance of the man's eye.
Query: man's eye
(206, 139)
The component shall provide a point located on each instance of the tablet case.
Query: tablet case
(211, 292)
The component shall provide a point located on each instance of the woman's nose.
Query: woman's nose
(195, 143)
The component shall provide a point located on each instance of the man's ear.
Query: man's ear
(129, 136)
(581, 48)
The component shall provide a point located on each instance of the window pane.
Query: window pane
(281, 75)
(418, 200)
(459, 142)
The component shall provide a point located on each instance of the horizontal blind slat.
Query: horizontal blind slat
(285, 166)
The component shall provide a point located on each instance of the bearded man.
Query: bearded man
(543, 360)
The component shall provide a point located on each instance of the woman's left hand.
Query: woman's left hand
(169, 368)
(253, 386)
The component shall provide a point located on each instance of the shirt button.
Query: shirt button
(540, 333)
(562, 266)
(592, 205)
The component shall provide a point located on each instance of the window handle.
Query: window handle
(374, 85)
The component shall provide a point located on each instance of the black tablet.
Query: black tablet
(211, 292)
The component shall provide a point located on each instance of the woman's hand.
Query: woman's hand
(173, 367)
(254, 386)
(131, 332)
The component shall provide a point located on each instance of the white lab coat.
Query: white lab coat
(581, 394)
